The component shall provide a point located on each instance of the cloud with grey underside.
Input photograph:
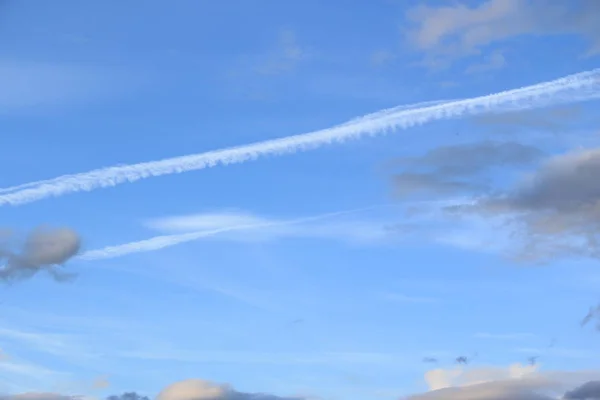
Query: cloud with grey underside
(551, 211)
(44, 248)
(555, 209)
(527, 388)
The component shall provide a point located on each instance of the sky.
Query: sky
(401, 216)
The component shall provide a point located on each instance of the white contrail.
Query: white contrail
(364, 118)
(160, 242)
(573, 88)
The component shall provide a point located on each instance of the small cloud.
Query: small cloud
(43, 249)
(285, 57)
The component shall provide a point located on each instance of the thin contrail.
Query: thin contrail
(573, 88)
(160, 242)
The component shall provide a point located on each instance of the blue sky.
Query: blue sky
(340, 306)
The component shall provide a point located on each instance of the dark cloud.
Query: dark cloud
(556, 210)
(43, 248)
(587, 391)
(458, 168)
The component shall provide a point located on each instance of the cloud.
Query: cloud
(587, 391)
(517, 382)
(286, 56)
(44, 247)
(454, 169)
(198, 389)
(555, 210)
(457, 30)
(570, 89)
(243, 226)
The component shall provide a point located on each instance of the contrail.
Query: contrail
(160, 242)
(573, 88)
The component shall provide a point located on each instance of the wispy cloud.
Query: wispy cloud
(238, 226)
(286, 55)
(579, 87)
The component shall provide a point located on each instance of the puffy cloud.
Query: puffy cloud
(44, 247)
(198, 389)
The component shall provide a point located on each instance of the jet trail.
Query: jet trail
(573, 88)
(161, 242)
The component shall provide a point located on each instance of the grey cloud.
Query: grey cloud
(455, 168)
(471, 158)
(457, 30)
(45, 248)
(556, 210)
(407, 184)
(587, 391)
